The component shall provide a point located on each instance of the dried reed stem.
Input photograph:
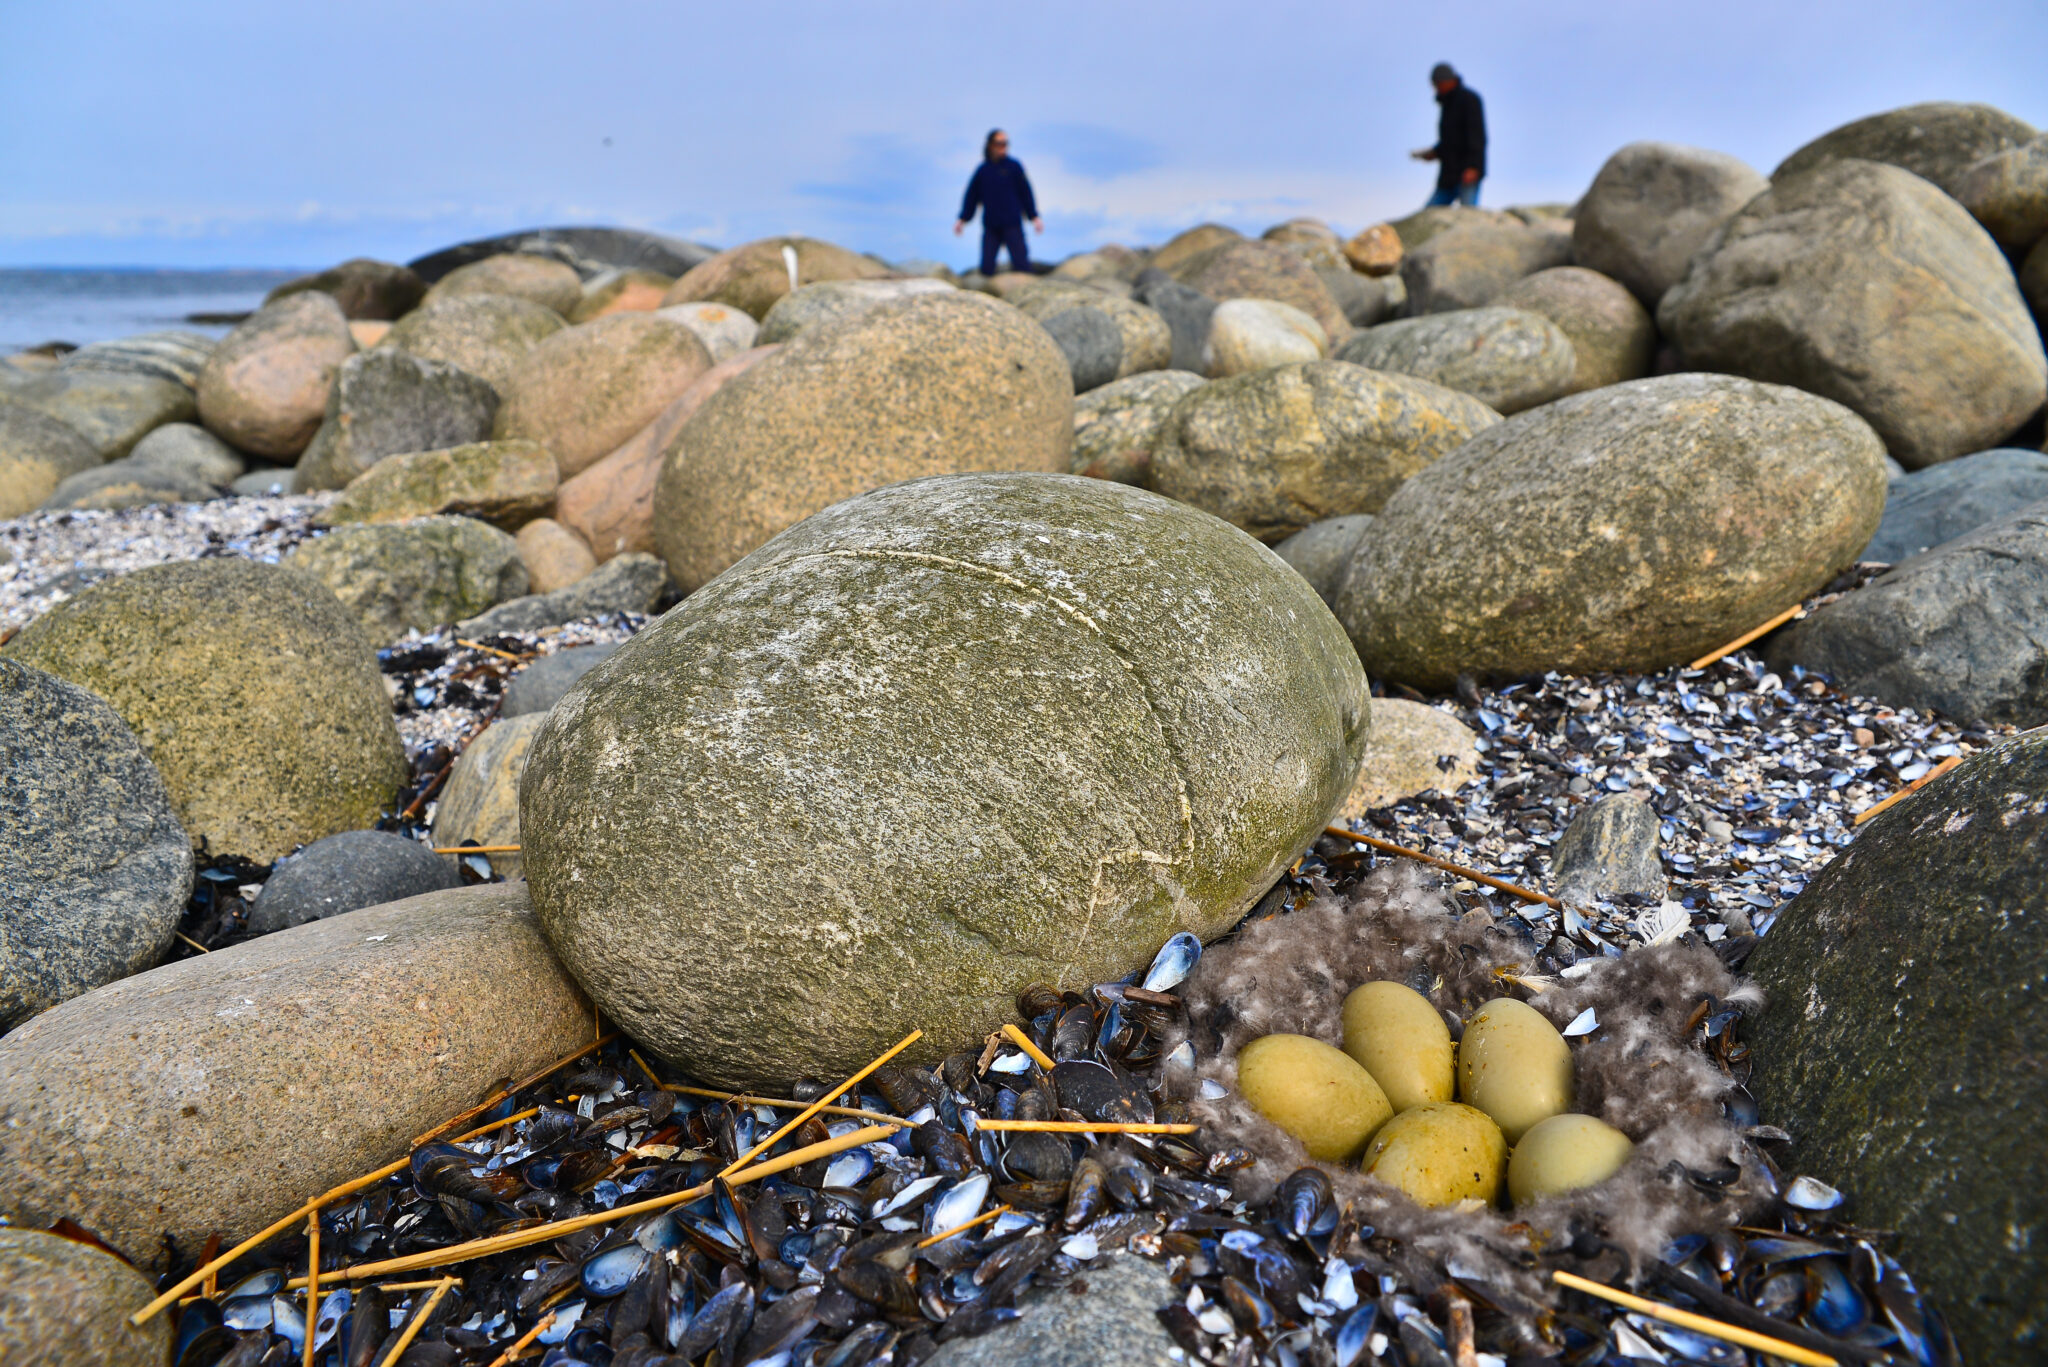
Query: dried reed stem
(1716, 656)
(1023, 1041)
(192, 942)
(524, 1341)
(1085, 1127)
(519, 1086)
(493, 650)
(1699, 1324)
(413, 1325)
(476, 849)
(1475, 875)
(1911, 788)
(312, 1281)
(745, 1099)
(963, 1227)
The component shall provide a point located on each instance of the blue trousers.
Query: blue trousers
(1467, 195)
(1010, 237)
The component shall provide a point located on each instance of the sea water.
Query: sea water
(95, 304)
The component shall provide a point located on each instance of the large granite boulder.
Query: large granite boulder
(485, 334)
(1192, 242)
(1628, 529)
(1959, 630)
(1277, 449)
(365, 289)
(1471, 263)
(540, 279)
(1652, 205)
(1938, 141)
(127, 484)
(1260, 270)
(504, 483)
(752, 277)
(825, 300)
(586, 389)
(278, 1067)
(264, 389)
(251, 688)
(589, 252)
(1116, 426)
(397, 577)
(620, 292)
(926, 385)
(481, 800)
(629, 583)
(1863, 283)
(1908, 996)
(1424, 224)
(1506, 358)
(111, 409)
(997, 728)
(37, 453)
(190, 450)
(2008, 193)
(64, 1303)
(1613, 336)
(347, 872)
(1104, 337)
(387, 402)
(94, 867)
(1933, 507)
(1255, 334)
(173, 354)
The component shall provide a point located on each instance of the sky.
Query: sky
(253, 133)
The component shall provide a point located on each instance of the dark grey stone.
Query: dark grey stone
(1934, 506)
(347, 872)
(1091, 343)
(1363, 298)
(540, 685)
(1321, 551)
(1901, 1046)
(626, 583)
(1609, 850)
(1962, 629)
(387, 402)
(363, 287)
(94, 867)
(590, 251)
(1114, 1322)
(1187, 312)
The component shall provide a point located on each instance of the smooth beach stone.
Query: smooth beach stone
(1365, 301)
(1863, 283)
(1904, 989)
(1260, 270)
(1277, 449)
(265, 387)
(1651, 206)
(1629, 528)
(554, 556)
(1932, 507)
(1613, 336)
(1187, 312)
(363, 287)
(396, 577)
(1467, 266)
(487, 335)
(347, 872)
(1116, 426)
(724, 330)
(251, 688)
(1375, 250)
(753, 276)
(276, 1068)
(37, 453)
(1321, 552)
(628, 291)
(1317, 1093)
(1565, 1153)
(629, 583)
(825, 300)
(1252, 334)
(1609, 849)
(481, 800)
(1938, 141)
(1508, 359)
(192, 450)
(111, 409)
(927, 385)
(263, 481)
(1514, 1066)
(505, 483)
(520, 275)
(94, 867)
(2007, 192)
(586, 389)
(124, 484)
(1192, 242)
(999, 728)
(173, 354)
(387, 403)
(64, 1303)
(1138, 340)
(1422, 225)
(1090, 342)
(1414, 748)
(1438, 1154)
(1393, 1033)
(1115, 1325)
(541, 684)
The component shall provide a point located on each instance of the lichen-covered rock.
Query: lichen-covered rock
(927, 385)
(37, 453)
(94, 868)
(1937, 141)
(397, 577)
(1905, 985)
(998, 728)
(481, 800)
(1277, 449)
(625, 583)
(2007, 192)
(265, 386)
(1613, 336)
(127, 484)
(1116, 426)
(1508, 359)
(111, 409)
(364, 288)
(753, 276)
(1468, 265)
(64, 1303)
(278, 1067)
(1254, 334)
(1863, 283)
(519, 275)
(251, 688)
(1652, 205)
(586, 389)
(387, 402)
(1626, 529)
(504, 483)
(825, 300)
(1260, 270)
(1321, 552)
(487, 335)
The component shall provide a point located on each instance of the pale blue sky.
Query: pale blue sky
(249, 132)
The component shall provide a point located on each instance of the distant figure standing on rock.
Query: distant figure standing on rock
(1001, 190)
(1460, 150)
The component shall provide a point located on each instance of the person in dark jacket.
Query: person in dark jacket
(1460, 151)
(1001, 190)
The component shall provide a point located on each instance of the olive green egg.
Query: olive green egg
(1398, 1037)
(1564, 1153)
(1314, 1091)
(1439, 1153)
(1513, 1065)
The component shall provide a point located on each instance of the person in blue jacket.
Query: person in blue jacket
(1001, 190)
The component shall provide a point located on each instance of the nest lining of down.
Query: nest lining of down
(1290, 974)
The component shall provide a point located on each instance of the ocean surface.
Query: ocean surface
(92, 305)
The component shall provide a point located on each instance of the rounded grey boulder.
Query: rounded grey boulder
(347, 872)
(64, 1303)
(539, 686)
(94, 867)
(1116, 426)
(1652, 205)
(1613, 336)
(1508, 359)
(1937, 141)
(1322, 551)
(929, 745)
(1629, 528)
